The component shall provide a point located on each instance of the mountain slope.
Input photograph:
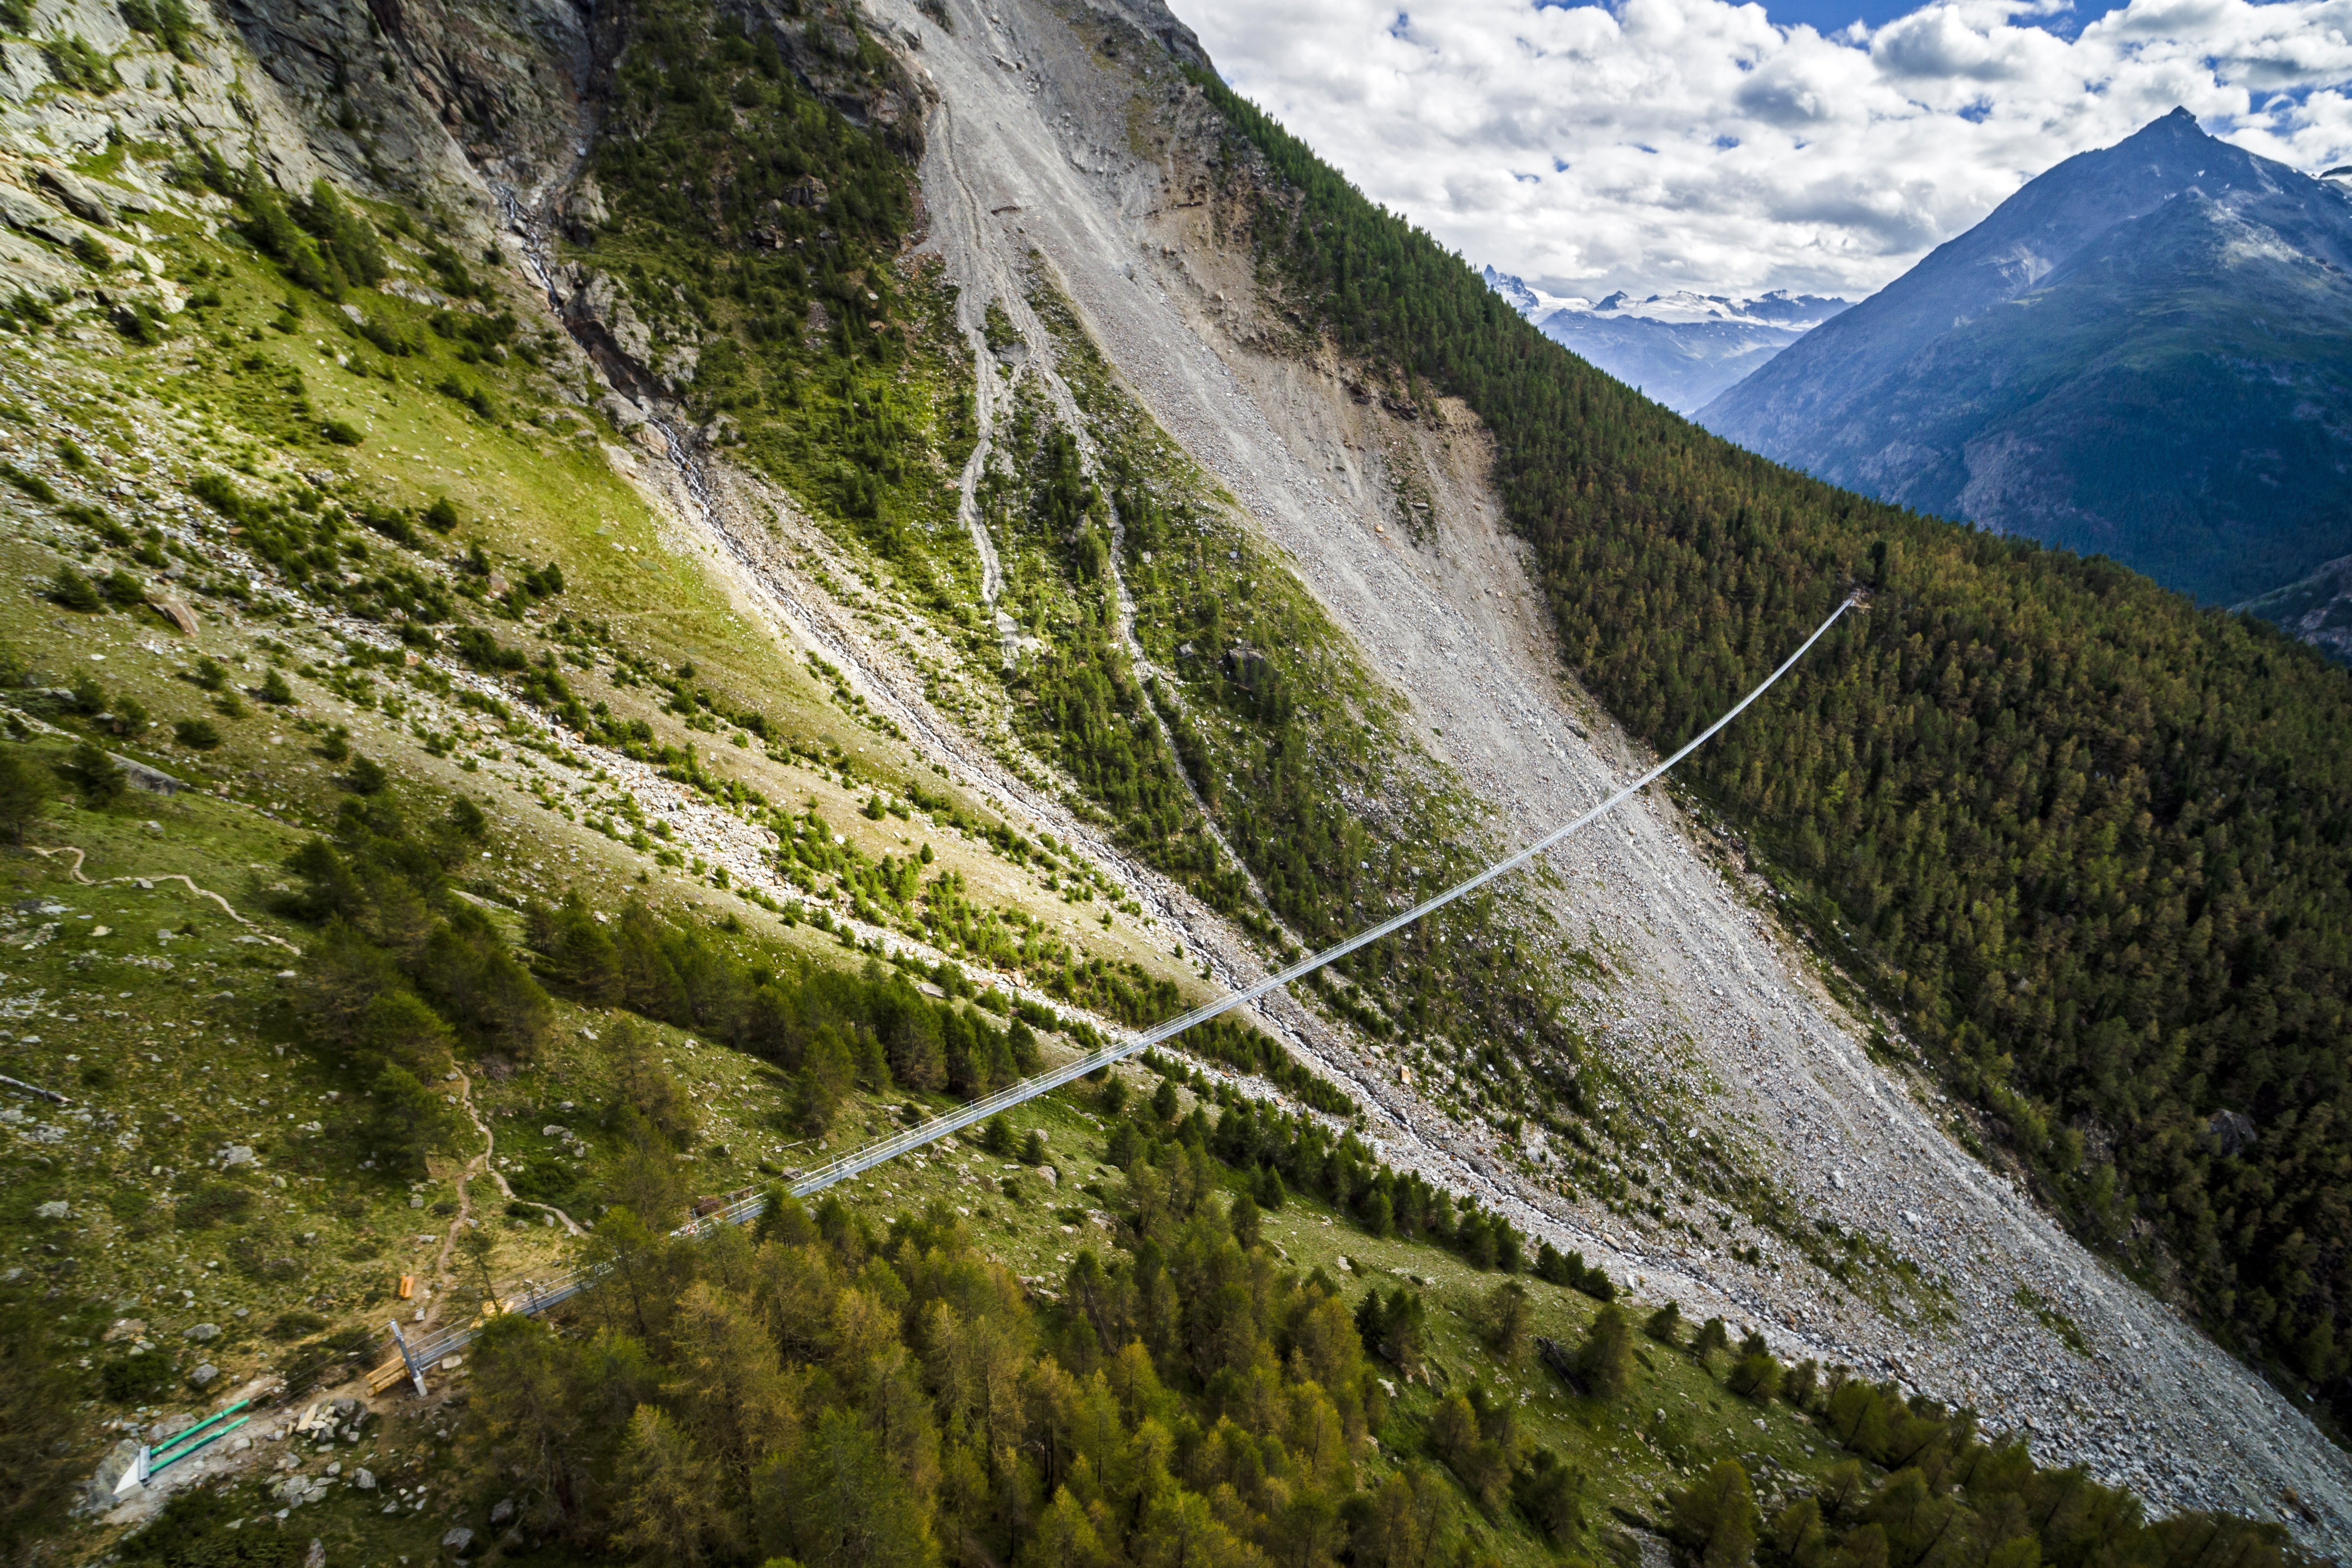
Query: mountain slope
(2318, 609)
(854, 483)
(1666, 554)
(2141, 354)
(1328, 446)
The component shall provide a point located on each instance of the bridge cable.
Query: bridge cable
(964, 1116)
(413, 1360)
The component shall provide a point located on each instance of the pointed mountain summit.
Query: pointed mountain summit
(2145, 353)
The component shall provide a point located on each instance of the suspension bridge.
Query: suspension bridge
(412, 1359)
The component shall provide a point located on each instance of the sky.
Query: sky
(1820, 147)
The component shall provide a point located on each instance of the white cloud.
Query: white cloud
(1672, 144)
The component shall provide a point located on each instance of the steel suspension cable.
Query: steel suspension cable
(539, 1298)
(964, 1116)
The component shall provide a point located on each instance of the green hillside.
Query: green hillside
(309, 548)
(1107, 1329)
(2090, 846)
(462, 746)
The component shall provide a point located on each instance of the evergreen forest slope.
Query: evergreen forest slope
(2088, 842)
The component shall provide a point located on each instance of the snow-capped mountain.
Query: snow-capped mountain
(1681, 348)
(1778, 309)
(1527, 302)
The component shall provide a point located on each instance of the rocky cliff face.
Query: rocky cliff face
(409, 97)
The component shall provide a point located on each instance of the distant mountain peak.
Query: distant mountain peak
(1778, 309)
(1527, 300)
(1680, 346)
(2174, 397)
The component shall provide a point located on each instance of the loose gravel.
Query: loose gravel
(1031, 149)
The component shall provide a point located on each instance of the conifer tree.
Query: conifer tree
(1605, 1361)
(24, 793)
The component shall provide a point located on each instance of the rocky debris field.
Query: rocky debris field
(1711, 990)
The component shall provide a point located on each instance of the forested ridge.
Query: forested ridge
(2093, 844)
(835, 1394)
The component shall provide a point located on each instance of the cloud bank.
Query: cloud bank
(1694, 144)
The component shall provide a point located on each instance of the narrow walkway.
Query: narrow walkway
(75, 872)
(480, 1165)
